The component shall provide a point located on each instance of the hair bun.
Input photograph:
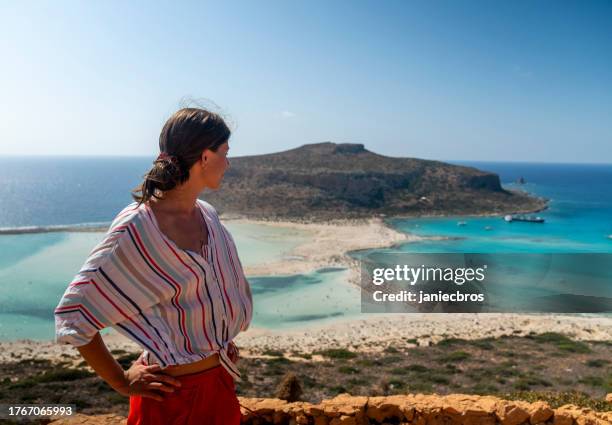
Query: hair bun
(165, 156)
(168, 171)
(168, 160)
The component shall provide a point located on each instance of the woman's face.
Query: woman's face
(214, 166)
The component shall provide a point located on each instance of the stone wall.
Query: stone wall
(416, 409)
(398, 409)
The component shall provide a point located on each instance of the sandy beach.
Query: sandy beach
(371, 333)
(321, 245)
(377, 332)
(327, 244)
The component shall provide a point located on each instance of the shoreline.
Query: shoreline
(325, 245)
(328, 245)
(376, 332)
(544, 207)
(103, 226)
(369, 334)
(55, 228)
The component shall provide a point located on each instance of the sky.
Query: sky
(447, 80)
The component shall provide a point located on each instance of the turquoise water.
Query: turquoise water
(260, 244)
(294, 301)
(35, 268)
(34, 273)
(578, 220)
(579, 217)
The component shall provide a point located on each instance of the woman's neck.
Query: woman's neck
(179, 201)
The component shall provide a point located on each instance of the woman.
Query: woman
(167, 276)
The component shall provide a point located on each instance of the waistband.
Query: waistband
(226, 363)
(195, 379)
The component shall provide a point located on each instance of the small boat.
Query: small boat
(488, 228)
(461, 223)
(610, 236)
(526, 218)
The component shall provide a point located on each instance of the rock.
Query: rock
(580, 416)
(479, 420)
(301, 420)
(261, 407)
(389, 408)
(345, 420)
(562, 420)
(609, 398)
(539, 412)
(345, 405)
(321, 420)
(511, 414)
(80, 419)
(416, 409)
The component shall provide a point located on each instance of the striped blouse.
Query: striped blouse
(178, 305)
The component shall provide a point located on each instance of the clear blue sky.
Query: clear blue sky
(490, 80)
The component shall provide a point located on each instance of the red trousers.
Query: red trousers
(204, 398)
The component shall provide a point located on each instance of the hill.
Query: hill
(334, 181)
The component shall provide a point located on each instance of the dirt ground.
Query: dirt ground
(548, 367)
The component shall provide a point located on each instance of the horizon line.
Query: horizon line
(109, 156)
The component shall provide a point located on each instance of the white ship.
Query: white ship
(527, 218)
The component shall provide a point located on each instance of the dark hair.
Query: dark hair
(186, 134)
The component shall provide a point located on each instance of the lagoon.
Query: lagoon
(35, 268)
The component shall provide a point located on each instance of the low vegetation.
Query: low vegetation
(509, 367)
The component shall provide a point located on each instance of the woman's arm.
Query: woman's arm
(138, 380)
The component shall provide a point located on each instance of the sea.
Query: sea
(43, 200)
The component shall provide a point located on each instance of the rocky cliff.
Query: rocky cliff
(328, 180)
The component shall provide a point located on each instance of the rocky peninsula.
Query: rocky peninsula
(327, 181)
